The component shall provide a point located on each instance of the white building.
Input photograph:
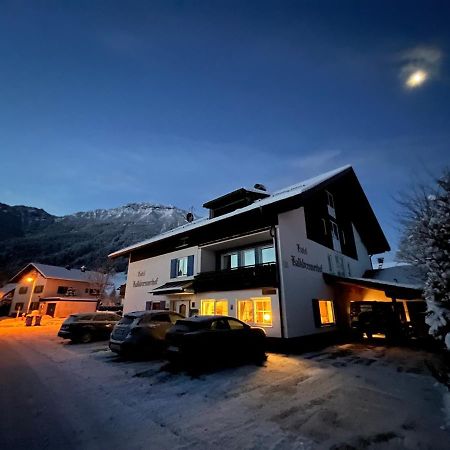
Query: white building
(55, 291)
(282, 261)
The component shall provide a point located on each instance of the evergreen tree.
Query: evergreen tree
(426, 243)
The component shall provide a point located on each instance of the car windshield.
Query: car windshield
(127, 320)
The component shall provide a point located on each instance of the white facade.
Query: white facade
(301, 264)
(262, 259)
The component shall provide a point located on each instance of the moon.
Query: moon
(416, 79)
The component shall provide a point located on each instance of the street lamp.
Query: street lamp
(29, 279)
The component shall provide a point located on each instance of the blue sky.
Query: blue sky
(105, 103)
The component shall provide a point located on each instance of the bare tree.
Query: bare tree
(101, 282)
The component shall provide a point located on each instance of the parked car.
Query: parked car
(372, 317)
(142, 333)
(201, 340)
(85, 327)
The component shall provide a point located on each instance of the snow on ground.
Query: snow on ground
(350, 396)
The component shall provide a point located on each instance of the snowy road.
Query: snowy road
(54, 395)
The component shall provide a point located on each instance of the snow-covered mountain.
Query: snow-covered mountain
(84, 238)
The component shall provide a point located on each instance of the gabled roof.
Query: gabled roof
(57, 273)
(296, 190)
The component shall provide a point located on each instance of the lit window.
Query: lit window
(245, 310)
(221, 307)
(263, 312)
(207, 308)
(257, 310)
(214, 307)
(326, 312)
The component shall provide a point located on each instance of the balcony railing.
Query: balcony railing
(263, 275)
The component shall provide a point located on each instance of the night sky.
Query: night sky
(106, 103)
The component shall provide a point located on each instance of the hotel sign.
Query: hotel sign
(298, 261)
(139, 283)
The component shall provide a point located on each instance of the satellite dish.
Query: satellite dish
(260, 187)
(189, 217)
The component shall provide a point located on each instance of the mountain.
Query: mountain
(84, 238)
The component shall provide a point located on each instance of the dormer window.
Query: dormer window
(330, 205)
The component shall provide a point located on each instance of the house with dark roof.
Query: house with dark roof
(55, 291)
(281, 261)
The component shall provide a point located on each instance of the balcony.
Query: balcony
(263, 275)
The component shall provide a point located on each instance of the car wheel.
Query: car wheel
(86, 337)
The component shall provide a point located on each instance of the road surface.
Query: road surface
(58, 396)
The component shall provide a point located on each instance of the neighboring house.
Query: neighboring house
(53, 290)
(281, 261)
(6, 296)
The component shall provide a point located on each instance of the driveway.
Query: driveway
(57, 395)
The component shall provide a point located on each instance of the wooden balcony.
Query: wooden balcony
(263, 275)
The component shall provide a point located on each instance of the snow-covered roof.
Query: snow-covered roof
(7, 288)
(400, 275)
(58, 273)
(277, 196)
(402, 290)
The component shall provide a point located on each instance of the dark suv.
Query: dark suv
(84, 327)
(201, 340)
(142, 333)
(374, 317)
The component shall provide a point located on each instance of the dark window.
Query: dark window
(18, 307)
(148, 305)
(34, 306)
(62, 290)
(38, 289)
(23, 289)
(330, 200)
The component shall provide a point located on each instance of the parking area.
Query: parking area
(343, 397)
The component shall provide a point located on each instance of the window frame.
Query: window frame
(214, 301)
(255, 311)
(317, 312)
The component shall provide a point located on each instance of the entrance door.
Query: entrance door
(51, 309)
(182, 309)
